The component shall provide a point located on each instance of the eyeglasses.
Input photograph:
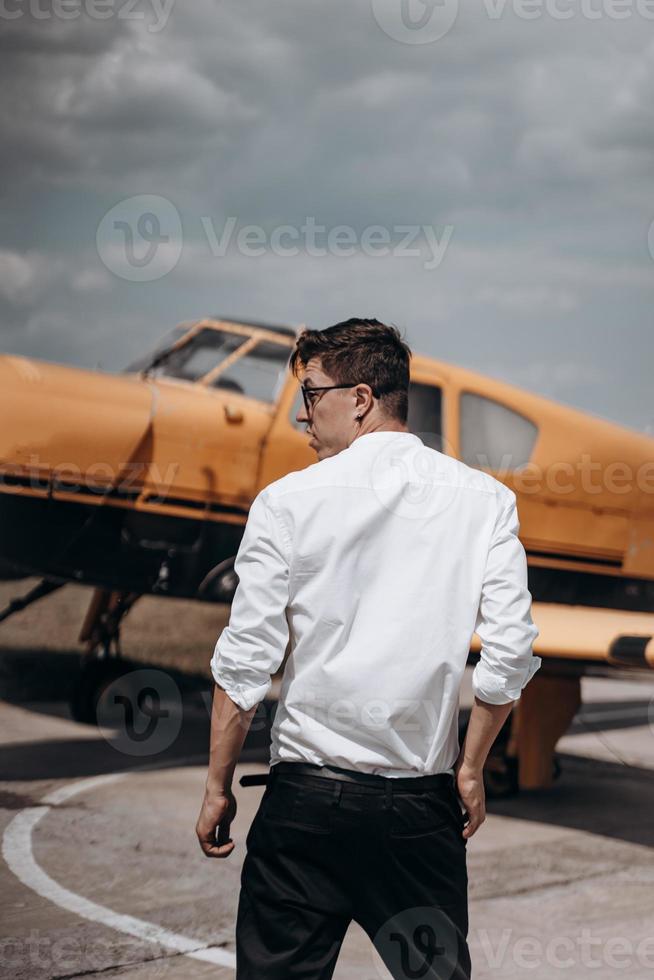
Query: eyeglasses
(308, 392)
(309, 401)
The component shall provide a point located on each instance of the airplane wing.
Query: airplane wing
(593, 635)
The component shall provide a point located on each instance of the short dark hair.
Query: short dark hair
(363, 352)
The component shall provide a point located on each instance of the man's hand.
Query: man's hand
(470, 786)
(217, 813)
(484, 725)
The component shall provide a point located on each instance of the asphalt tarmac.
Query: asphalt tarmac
(103, 875)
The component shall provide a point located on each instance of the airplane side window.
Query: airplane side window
(493, 436)
(258, 374)
(425, 414)
(200, 355)
(424, 419)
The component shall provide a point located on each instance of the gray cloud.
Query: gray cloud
(532, 139)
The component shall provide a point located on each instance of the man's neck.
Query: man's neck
(382, 427)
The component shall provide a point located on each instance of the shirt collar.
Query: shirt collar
(383, 435)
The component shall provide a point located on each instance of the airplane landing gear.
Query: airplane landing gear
(102, 662)
(502, 769)
(96, 673)
(44, 588)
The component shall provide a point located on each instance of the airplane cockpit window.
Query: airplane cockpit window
(200, 354)
(167, 341)
(493, 436)
(260, 373)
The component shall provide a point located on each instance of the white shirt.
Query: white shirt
(378, 564)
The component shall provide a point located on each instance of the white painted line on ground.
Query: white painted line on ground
(17, 852)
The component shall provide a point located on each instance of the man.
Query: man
(378, 563)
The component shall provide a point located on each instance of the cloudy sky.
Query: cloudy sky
(482, 177)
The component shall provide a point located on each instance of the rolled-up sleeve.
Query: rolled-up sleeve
(504, 624)
(252, 646)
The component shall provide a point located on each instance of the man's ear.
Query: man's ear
(366, 398)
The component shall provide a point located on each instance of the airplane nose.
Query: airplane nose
(61, 420)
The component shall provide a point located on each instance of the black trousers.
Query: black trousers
(384, 852)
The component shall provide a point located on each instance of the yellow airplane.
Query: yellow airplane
(140, 483)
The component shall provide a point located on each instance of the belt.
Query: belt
(442, 779)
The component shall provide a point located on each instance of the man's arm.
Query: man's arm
(249, 650)
(229, 726)
(506, 664)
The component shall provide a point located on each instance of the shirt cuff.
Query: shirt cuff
(491, 687)
(244, 697)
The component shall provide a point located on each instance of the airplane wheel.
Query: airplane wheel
(219, 585)
(501, 777)
(93, 678)
(556, 767)
(500, 770)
